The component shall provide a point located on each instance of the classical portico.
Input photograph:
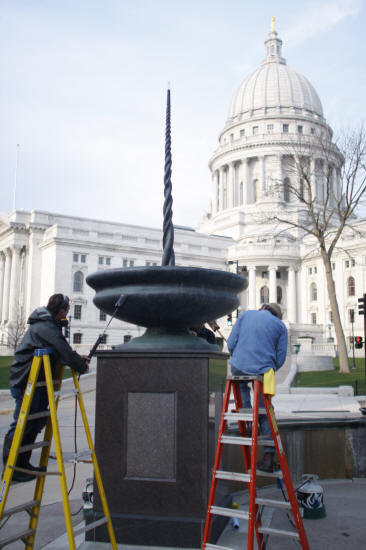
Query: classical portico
(12, 274)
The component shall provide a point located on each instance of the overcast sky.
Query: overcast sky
(83, 86)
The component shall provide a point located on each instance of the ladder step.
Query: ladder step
(262, 473)
(215, 547)
(278, 532)
(39, 445)
(233, 476)
(229, 512)
(13, 538)
(35, 416)
(43, 383)
(91, 526)
(20, 507)
(235, 440)
(234, 416)
(72, 391)
(273, 503)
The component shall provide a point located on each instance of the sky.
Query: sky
(83, 90)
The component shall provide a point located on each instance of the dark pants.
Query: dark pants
(245, 395)
(39, 404)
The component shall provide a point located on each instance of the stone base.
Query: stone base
(157, 420)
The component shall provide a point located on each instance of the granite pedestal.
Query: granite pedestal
(156, 426)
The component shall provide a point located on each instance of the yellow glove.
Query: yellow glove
(269, 385)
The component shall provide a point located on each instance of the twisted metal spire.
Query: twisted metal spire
(168, 229)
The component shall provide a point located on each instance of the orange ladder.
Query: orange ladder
(249, 446)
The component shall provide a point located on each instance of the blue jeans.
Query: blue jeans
(39, 404)
(247, 404)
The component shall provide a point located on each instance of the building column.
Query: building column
(2, 276)
(262, 176)
(312, 177)
(291, 295)
(252, 290)
(6, 291)
(14, 285)
(230, 185)
(248, 191)
(272, 284)
(280, 186)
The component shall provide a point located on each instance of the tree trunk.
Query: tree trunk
(341, 341)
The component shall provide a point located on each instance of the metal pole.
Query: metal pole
(353, 341)
(364, 334)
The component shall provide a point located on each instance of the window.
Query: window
(231, 137)
(286, 190)
(77, 311)
(312, 131)
(100, 260)
(313, 318)
(264, 295)
(310, 270)
(270, 128)
(83, 258)
(333, 266)
(264, 274)
(77, 338)
(353, 262)
(124, 262)
(351, 286)
(104, 339)
(285, 128)
(255, 130)
(279, 295)
(315, 269)
(75, 258)
(299, 129)
(313, 292)
(331, 316)
(278, 274)
(102, 316)
(132, 263)
(108, 261)
(351, 315)
(126, 338)
(78, 281)
(242, 133)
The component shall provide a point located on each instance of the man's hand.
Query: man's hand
(87, 361)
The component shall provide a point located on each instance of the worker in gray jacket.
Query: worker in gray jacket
(45, 331)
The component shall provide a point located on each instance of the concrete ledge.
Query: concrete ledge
(307, 362)
(338, 390)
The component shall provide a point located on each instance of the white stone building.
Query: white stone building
(274, 115)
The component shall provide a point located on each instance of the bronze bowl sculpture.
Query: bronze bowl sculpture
(167, 300)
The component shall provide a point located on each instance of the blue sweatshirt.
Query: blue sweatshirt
(258, 342)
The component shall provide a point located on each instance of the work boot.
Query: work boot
(22, 477)
(266, 464)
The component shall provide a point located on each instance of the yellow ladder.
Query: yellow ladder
(42, 356)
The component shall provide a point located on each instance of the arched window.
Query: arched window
(279, 295)
(78, 282)
(264, 295)
(351, 286)
(286, 189)
(313, 292)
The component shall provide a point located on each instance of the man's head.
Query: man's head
(59, 305)
(273, 308)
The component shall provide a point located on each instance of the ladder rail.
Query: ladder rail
(211, 499)
(19, 432)
(97, 473)
(285, 471)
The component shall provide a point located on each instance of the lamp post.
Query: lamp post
(352, 319)
(238, 271)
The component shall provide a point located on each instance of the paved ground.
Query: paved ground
(345, 500)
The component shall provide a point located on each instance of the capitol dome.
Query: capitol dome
(275, 89)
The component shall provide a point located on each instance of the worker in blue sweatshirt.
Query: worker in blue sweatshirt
(258, 343)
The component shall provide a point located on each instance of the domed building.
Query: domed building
(275, 132)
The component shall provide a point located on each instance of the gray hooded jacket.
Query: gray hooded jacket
(44, 332)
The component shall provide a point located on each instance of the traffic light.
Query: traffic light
(229, 320)
(358, 342)
(362, 305)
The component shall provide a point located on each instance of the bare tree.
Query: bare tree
(324, 184)
(15, 330)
